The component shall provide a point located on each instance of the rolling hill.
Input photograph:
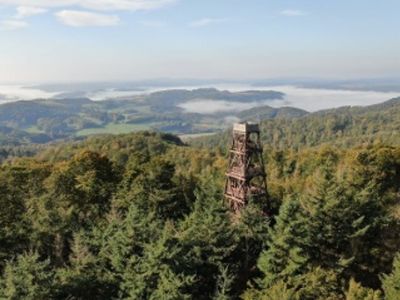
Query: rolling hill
(41, 121)
(345, 126)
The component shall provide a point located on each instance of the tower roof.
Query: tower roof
(246, 127)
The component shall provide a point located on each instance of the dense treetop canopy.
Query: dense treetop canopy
(141, 216)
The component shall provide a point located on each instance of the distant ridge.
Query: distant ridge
(344, 126)
(55, 119)
(267, 112)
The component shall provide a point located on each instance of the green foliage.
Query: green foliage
(224, 285)
(152, 187)
(267, 112)
(87, 181)
(285, 256)
(76, 196)
(357, 292)
(27, 278)
(318, 284)
(279, 291)
(142, 216)
(22, 181)
(84, 277)
(41, 121)
(336, 224)
(344, 127)
(391, 282)
(155, 272)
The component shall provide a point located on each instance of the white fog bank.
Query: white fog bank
(12, 93)
(317, 99)
(304, 98)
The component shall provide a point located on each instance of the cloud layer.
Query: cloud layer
(113, 5)
(27, 11)
(76, 18)
(75, 12)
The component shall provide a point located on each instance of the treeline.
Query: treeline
(142, 216)
(43, 121)
(344, 127)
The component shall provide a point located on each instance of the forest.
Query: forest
(343, 127)
(45, 120)
(142, 215)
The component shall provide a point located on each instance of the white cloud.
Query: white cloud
(131, 5)
(15, 22)
(27, 11)
(206, 22)
(83, 18)
(293, 13)
(75, 17)
(12, 24)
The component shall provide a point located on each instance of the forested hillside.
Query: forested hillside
(141, 216)
(344, 127)
(42, 121)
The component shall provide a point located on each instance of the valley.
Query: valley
(43, 121)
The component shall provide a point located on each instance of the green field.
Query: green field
(42, 121)
(114, 129)
(186, 137)
(34, 129)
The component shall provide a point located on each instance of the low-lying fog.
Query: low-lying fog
(317, 99)
(305, 98)
(12, 93)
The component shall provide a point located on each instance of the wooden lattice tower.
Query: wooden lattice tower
(246, 177)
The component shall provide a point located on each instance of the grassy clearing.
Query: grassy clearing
(186, 137)
(33, 129)
(114, 129)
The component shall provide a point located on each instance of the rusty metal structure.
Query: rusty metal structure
(246, 177)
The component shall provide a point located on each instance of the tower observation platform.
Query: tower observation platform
(245, 177)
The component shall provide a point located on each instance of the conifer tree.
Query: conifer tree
(332, 226)
(357, 292)
(20, 184)
(391, 282)
(252, 230)
(126, 236)
(224, 284)
(84, 277)
(27, 278)
(153, 190)
(285, 256)
(158, 269)
(208, 241)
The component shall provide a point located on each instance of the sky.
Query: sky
(111, 40)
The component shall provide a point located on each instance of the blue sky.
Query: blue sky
(90, 40)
